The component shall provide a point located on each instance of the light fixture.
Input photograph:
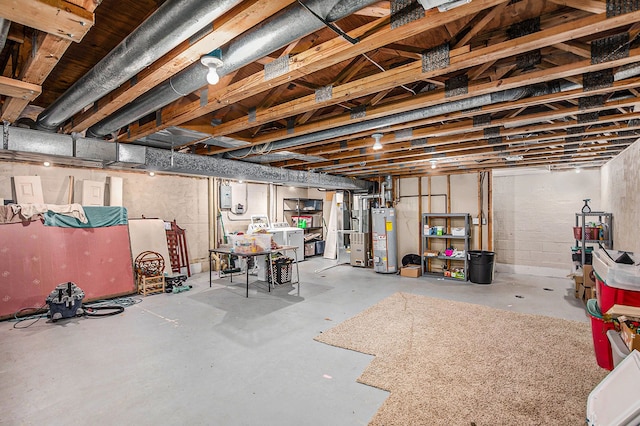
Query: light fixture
(433, 164)
(240, 181)
(152, 174)
(577, 169)
(213, 61)
(46, 164)
(377, 145)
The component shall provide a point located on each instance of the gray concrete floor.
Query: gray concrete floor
(210, 356)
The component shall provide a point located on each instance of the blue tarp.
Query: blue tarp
(97, 217)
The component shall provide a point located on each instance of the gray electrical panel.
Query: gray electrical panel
(385, 250)
(225, 196)
(359, 249)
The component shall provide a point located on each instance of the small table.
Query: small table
(268, 254)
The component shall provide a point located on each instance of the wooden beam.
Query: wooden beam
(230, 25)
(411, 72)
(467, 153)
(490, 16)
(378, 10)
(50, 49)
(56, 17)
(509, 126)
(592, 6)
(18, 89)
(435, 97)
(372, 36)
(580, 49)
(464, 135)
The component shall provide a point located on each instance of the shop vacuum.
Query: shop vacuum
(65, 301)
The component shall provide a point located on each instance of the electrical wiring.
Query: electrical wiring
(113, 306)
(35, 318)
(383, 70)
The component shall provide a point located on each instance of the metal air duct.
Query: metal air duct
(274, 33)
(417, 114)
(173, 22)
(4, 32)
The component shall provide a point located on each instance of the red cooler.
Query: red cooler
(616, 283)
(599, 328)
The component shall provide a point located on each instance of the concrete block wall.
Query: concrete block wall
(620, 186)
(533, 217)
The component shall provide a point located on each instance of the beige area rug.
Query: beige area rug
(452, 363)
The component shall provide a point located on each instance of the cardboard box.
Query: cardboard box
(586, 293)
(310, 249)
(631, 339)
(588, 276)
(578, 283)
(411, 271)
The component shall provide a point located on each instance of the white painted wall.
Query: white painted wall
(620, 186)
(533, 217)
(256, 204)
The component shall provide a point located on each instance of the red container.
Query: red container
(608, 296)
(591, 233)
(601, 344)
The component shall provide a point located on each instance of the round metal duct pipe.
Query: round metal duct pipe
(274, 33)
(173, 22)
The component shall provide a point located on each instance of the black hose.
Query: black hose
(115, 310)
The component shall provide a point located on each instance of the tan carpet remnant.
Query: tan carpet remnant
(453, 363)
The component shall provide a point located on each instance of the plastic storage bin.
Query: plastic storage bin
(616, 275)
(616, 400)
(599, 328)
(590, 232)
(616, 283)
(250, 243)
(619, 349)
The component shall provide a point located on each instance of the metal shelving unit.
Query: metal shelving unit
(447, 221)
(312, 207)
(603, 217)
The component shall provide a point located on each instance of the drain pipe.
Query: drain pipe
(274, 33)
(173, 22)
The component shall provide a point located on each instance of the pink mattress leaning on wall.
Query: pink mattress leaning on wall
(35, 258)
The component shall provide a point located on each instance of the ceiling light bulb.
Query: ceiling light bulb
(46, 164)
(577, 169)
(212, 76)
(213, 64)
(152, 174)
(377, 145)
(433, 164)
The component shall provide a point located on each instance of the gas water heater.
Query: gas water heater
(385, 252)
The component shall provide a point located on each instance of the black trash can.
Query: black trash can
(480, 266)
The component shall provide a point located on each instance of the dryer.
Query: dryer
(286, 235)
